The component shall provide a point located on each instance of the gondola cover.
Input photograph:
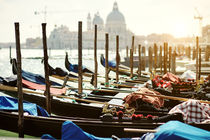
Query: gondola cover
(11, 104)
(175, 130)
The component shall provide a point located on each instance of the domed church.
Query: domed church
(115, 25)
(115, 21)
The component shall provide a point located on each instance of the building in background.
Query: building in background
(115, 25)
(206, 34)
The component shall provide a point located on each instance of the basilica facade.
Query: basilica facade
(115, 24)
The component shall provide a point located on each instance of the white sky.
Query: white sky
(142, 17)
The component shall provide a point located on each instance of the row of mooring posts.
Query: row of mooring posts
(19, 77)
(166, 60)
(156, 61)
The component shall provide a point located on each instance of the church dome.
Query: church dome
(97, 19)
(115, 16)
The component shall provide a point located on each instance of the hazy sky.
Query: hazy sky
(142, 17)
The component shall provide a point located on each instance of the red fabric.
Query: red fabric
(171, 77)
(193, 111)
(158, 82)
(32, 85)
(156, 101)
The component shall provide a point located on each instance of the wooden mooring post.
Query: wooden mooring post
(199, 69)
(127, 51)
(117, 59)
(173, 63)
(80, 57)
(207, 53)
(194, 53)
(131, 58)
(10, 52)
(131, 63)
(95, 58)
(19, 83)
(189, 53)
(169, 59)
(165, 57)
(143, 58)
(197, 49)
(46, 69)
(140, 63)
(106, 60)
(160, 60)
(155, 56)
(150, 59)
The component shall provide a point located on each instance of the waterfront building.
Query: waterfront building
(115, 25)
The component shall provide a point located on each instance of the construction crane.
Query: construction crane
(200, 18)
(42, 12)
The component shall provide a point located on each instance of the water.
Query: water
(31, 60)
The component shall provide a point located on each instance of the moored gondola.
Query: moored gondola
(39, 125)
(74, 67)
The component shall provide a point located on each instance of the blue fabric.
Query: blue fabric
(71, 131)
(175, 130)
(11, 104)
(74, 67)
(110, 63)
(36, 78)
(47, 137)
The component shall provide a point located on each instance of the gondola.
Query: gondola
(74, 67)
(112, 66)
(123, 70)
(39, 125)
(37, 78)
(167, 85)
(74, 105)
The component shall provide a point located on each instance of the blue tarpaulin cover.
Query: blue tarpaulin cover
(74, 68)
(175, 130)
(36, 78)
(11, 104)
(71, 131)
(110, 63)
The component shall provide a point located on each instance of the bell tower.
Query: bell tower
(88, 22)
